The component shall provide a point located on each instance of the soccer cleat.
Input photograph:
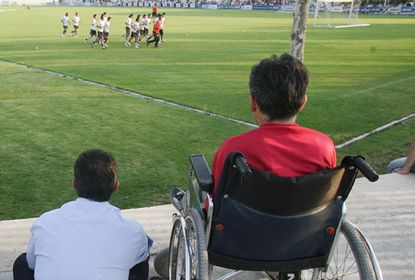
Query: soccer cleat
(126, 44)
(136, 46)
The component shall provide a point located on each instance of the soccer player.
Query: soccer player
(143, 23)
(106, 33)
(147, 26)
(163, 18)
(65, 23)
(93, 31)
(156, 33)
(136, 32)
(75, 21)
(155, 10)
(127, 36)
(100, 28)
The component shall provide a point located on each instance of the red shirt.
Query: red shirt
(157, 26)
(155, 9)
(280, 149)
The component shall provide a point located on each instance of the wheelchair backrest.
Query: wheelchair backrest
(267, 222)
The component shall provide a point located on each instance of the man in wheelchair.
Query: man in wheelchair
(275, 198)
(279, 145)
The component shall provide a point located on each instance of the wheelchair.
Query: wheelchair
(287, 227)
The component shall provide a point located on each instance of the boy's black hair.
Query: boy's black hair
(95, 175)
(278, 85)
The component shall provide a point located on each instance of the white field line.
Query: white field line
(187, 108)
(376, 130)
(381, 86)
(138, 95)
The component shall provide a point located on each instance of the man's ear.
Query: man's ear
(73, 184)
(116, 185)
(252, 104)
(304, 102)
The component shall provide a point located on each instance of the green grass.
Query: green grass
(206, 61)
(47, 121)
(361, 78)
(379, 149)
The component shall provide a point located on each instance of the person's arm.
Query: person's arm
(410, 161)
(30, 253)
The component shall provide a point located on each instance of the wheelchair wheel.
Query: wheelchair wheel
(192, 240)
(197, 243)
(176, 269)
(350, 259)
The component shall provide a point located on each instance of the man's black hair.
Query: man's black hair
(95, 175)
(278, 85)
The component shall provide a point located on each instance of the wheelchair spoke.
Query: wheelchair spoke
(342, 264)
(349, 260)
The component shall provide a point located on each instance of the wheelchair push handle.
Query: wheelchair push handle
(243, 166)
(365, 168)
(176, 198)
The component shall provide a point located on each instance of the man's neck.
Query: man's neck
(263, 119)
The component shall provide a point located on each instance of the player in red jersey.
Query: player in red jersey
(156, 33)
(155, 11)
(279, 145)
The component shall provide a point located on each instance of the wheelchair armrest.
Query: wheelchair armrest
(202, 172)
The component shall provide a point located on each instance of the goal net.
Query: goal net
(337, 14)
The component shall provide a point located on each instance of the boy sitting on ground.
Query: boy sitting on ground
(86, 238)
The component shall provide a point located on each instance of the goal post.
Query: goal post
(337, 14)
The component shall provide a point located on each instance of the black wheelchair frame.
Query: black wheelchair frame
(289, 227)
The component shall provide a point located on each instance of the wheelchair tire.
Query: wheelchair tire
(175, 259)
(350, 258)
(197, 242)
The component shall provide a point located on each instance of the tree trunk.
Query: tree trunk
(299, 28)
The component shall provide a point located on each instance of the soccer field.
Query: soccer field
(361, 78)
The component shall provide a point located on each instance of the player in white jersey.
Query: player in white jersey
(100, 28)
(65, 23)
(136, 32)
(147, 24)
(75, 21)
(127, 35)
(93, 31)
(106, 33)
(163, 18)
(143, 26)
